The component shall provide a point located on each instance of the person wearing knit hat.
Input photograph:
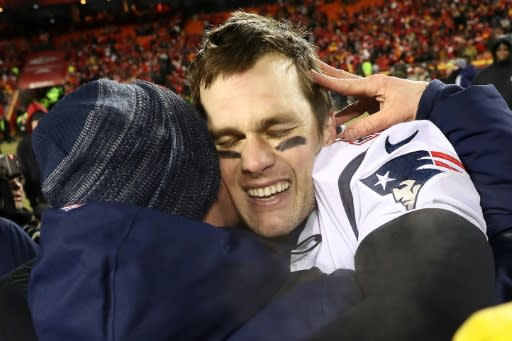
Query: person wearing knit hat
(130, 171)
(127, 143)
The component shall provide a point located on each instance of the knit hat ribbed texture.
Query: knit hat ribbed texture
(133, 143)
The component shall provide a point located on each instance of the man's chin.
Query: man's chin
(273, 230)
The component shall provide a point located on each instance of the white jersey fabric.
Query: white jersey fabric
(364, 184)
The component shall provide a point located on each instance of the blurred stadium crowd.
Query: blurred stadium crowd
(420, 39)
(413, 39)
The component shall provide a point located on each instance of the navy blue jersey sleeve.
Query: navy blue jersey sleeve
(16, 247)
(478, 123)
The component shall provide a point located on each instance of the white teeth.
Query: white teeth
(269, 190)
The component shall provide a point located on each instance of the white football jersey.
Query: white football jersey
(364, 184)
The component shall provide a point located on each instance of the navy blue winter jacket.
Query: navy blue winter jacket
(478, 123)
(121, 272)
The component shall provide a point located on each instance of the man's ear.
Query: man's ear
(329, 130)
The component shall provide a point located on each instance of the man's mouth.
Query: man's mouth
(268, 191)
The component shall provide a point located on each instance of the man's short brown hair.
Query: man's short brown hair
(237, 44)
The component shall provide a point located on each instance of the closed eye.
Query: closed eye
(227, 144)
(279, 133)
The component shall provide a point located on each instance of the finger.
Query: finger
(337, 73)
(347, 87)
(367, 125)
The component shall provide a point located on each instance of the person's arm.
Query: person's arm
(478, 123)
(423, 261)
(422, 275)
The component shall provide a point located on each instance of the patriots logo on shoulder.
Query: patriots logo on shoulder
(405, 175)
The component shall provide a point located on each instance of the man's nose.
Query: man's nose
(15, 185)
(257, 155)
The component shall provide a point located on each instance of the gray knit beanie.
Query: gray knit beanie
(133, 143)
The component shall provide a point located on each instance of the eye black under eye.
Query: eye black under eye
(291, 142)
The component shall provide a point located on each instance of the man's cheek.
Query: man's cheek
(228, 167)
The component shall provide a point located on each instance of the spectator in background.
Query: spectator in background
(12, 196)
(467, 72)
(366, 68)
(499, 73)
(4, 125)
(419, 72)
(23, 120)
(462, 72)
(20, 214)
(17, 191)
(16, 247)
(30, 169)
(399, 70)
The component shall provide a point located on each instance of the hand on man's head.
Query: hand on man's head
(389, 100)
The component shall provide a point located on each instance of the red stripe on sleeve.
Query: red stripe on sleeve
(447, 157)
(442, 164)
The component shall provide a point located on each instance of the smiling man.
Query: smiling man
(267, 137)
(273, 133)
(267, 118)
